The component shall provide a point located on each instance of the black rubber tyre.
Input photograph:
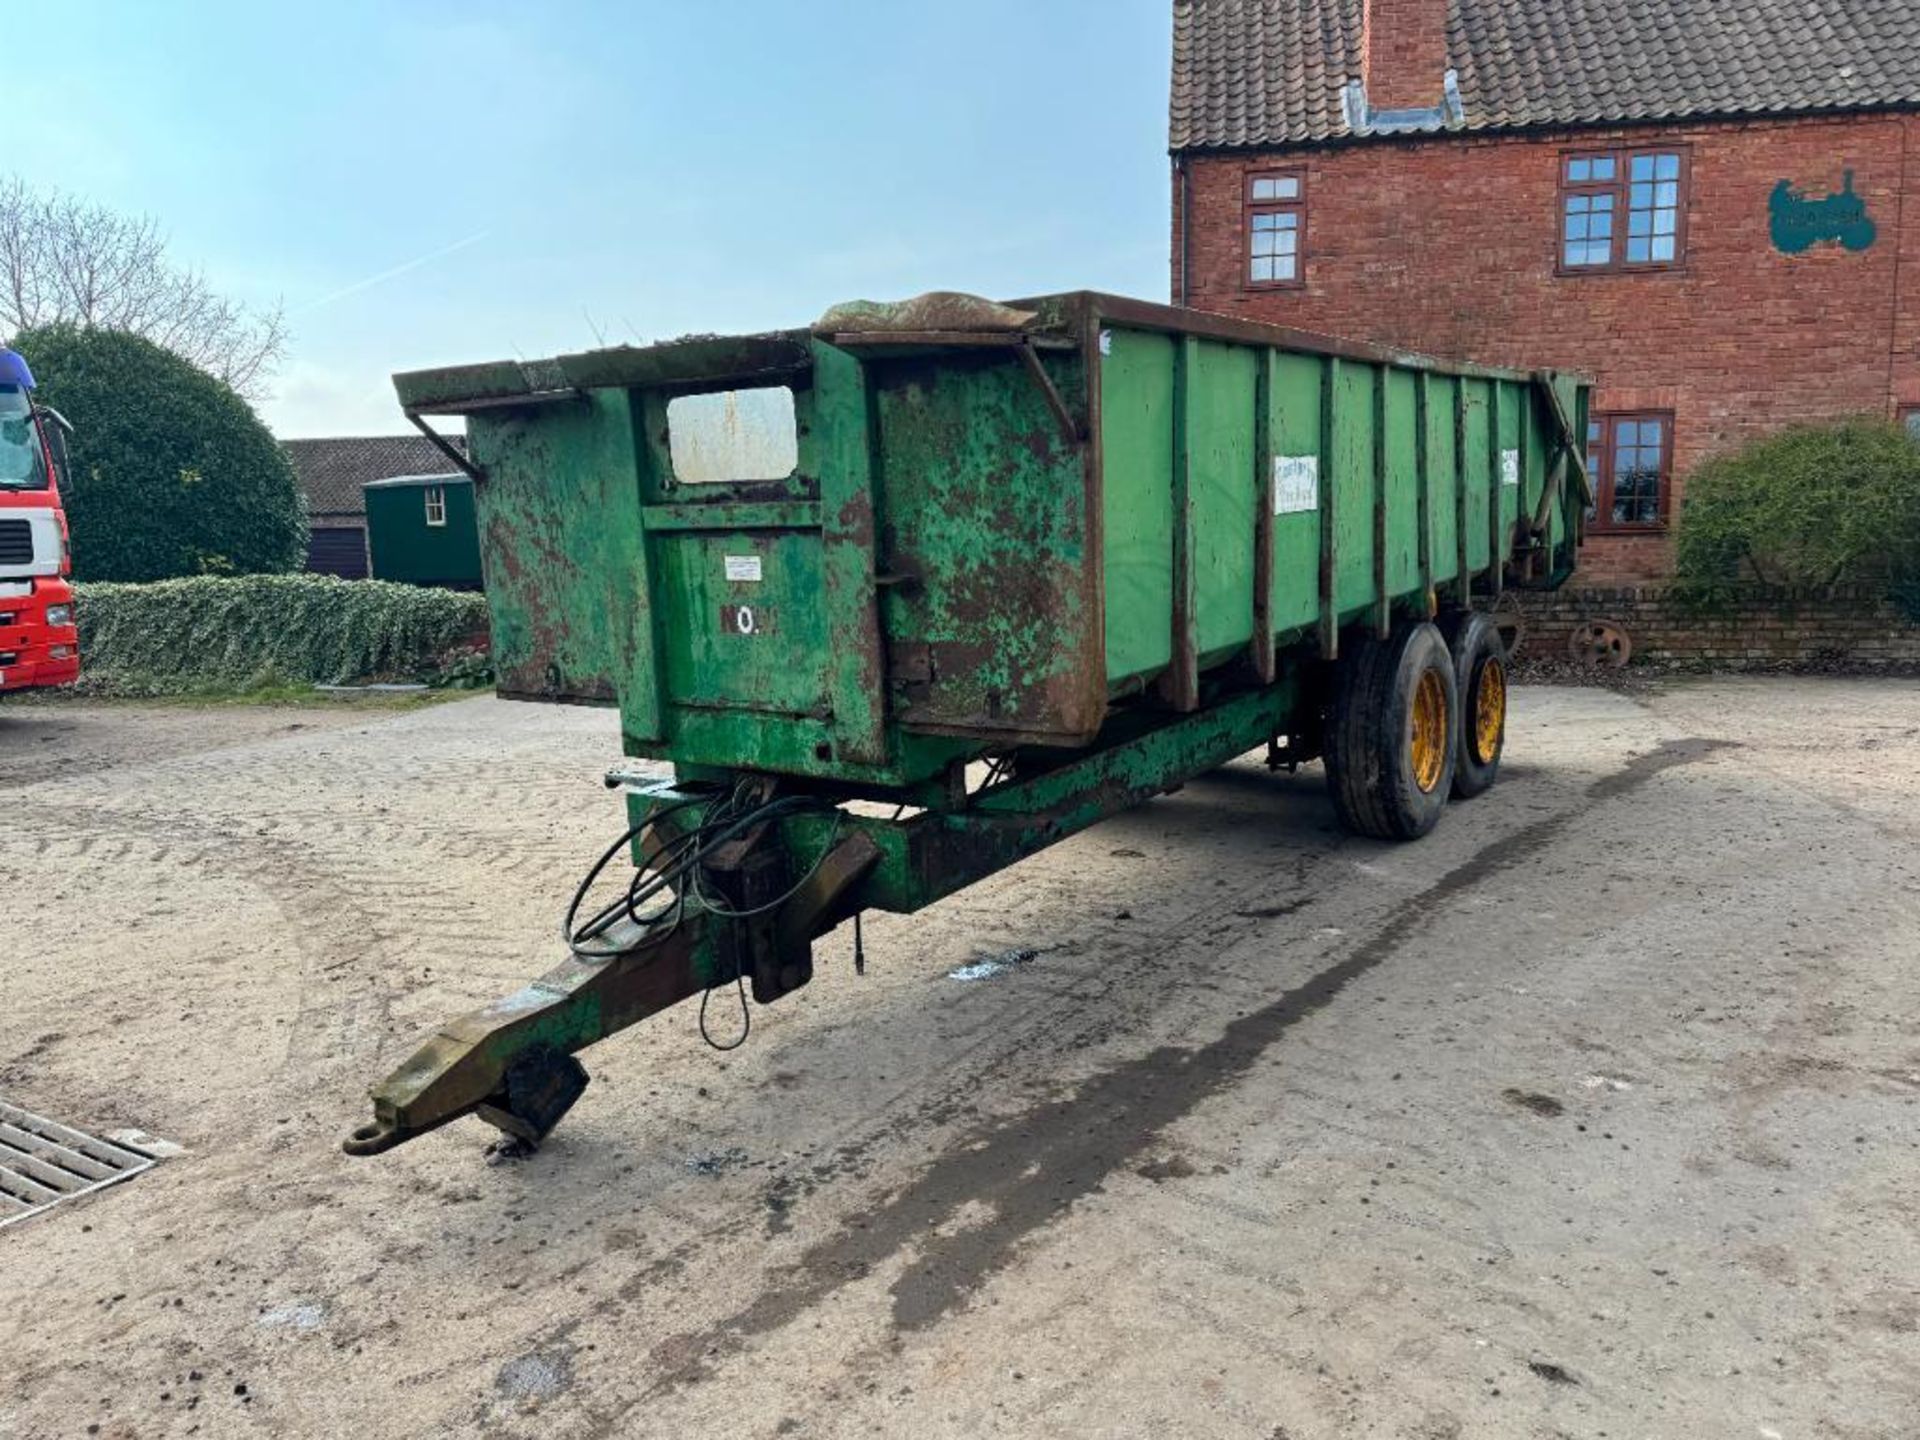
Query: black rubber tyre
(1388, 767)
(1480, 680)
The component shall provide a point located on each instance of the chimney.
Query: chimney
(1403, 50)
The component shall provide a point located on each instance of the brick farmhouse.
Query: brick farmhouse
(1702, 203)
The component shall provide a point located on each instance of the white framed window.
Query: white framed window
(436, 505)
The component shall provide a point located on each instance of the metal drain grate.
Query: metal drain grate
(43, 1163)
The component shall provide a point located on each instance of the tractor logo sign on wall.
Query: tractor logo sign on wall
(1801, 221)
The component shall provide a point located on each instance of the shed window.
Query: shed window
(1276, 204)
(1630, 460)
(1622, 210)
(436, 505)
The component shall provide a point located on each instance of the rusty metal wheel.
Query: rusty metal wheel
(1600, 645)
(1511, 621)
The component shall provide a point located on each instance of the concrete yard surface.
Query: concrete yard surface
(1593, 1115)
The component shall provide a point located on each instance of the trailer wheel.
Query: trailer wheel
(1392, 734)
(1480, 678)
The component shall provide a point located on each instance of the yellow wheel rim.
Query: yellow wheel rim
(1428, 750)
(1489, 712)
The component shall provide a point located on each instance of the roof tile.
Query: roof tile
(1270, 72)
(331, 472)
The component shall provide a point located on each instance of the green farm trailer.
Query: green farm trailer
(912, 594)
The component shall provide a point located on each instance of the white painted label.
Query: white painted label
(1509, 467)
(1296, 483)
(1106, 342)
(744, 620)
(743, 567)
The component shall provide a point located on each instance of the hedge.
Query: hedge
(214, 633)
(1808, 507)
(172, 473)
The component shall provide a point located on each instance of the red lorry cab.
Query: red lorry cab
(38, 642)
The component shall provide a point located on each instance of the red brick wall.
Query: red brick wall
(1754, 630)
(1449, 246)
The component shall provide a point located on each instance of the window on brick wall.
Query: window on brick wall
(1622, 210)
(1630, 461)
(1276, 229)
(1910, 417)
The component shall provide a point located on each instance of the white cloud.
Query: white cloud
(314, 400)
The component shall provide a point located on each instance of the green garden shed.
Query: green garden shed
(421, 531)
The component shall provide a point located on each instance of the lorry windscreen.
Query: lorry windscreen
(22, 466)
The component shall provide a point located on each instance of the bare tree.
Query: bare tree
(62, 259)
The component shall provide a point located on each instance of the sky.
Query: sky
(436, 183)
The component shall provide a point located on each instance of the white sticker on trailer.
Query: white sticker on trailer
(1510, 467)
(1296, 484)
(743, 567)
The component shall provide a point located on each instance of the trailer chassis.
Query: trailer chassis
(511, 1063)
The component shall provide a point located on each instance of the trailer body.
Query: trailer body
(1010, 568)
(953, 565)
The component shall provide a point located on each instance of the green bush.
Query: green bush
(172, 473)
(1811, 507)
(263, 631)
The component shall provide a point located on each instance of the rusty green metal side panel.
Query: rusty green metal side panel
(769, 631)
(1478, 398)
(735, 647)
(855, 663)
(1443, 476)
(1296, 489)
(1136, 386)
(559, 520)
(1504, 478)
(986, 529)
(1402, 441)
(1221, 491)
(1349, 487)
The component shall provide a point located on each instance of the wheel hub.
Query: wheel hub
(1489, 711)
(1428, 745)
